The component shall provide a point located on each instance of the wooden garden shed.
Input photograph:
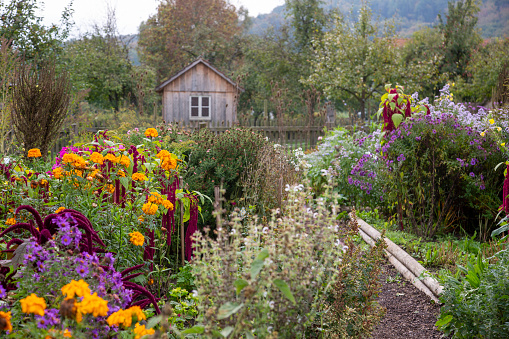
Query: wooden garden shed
(199, 92)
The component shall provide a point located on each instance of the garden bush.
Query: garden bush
(477, 305)
(293, 275)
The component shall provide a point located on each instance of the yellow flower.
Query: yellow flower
(97, 158)
(111, 157)
(75, 288)
(140, 331)
(139, 176)
(149, 208)
(93, 304)
(168, 205)
(151, 132)
(60, 209)
(74, 159)
(124, 160)
(5, 324)
(482, 134)
(491, 121)
(34, 153)
(67, 333)
(499, 128)
(33, 304)
(10, 221)
(137, 238)
(121, 173)
(141, 219)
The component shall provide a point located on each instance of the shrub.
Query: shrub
(278, 279)
(440, 172)
(477, 306)
(40, 103)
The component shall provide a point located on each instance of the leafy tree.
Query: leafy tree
(355, 59)
(100, 64)
(9, 60)
(182, 30)
(483, 71)
(461, 36)
(308, 20)
(21, 26)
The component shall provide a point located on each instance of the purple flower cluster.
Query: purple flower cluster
(50, 319)
(67, 230)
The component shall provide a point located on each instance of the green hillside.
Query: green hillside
(409, 15)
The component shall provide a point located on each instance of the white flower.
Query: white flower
(315, 215)
(265, 230)
(271, 304)
(195, 293)
(265, 294)
(324, 172)
(269, 329)
(309, 211)
(233, 231)
(287, 188)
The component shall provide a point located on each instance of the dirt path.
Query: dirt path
(410, 313)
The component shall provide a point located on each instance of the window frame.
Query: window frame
(200, 107)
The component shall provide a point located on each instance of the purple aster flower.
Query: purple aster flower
(66, 240)
(473, 161)
(3, 293)
(472, 174)
(49, 319)
(350, 180)
(482, 186)
(401, 157)
(82, 270)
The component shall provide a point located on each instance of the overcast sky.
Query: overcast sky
(130, 13)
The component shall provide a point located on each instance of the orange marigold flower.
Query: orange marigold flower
(97, 158)
(33, 304)
(168, 205)
(34, 153)
(141, 219)
(75, 288)
(149, 208)
(163, 154)
(121, 173)
(137, 239)
(140, 331)
(124, 317)
(57, 172)
(169, 163)
(67, 333)
(110, 188)
(139, 177)
(124, 160)
(93, 304)
(155, 198)
(5, 321)
(60, 209)
(111, 157)
(151, 132)
(10, 221)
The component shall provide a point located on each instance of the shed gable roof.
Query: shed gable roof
(190, 66)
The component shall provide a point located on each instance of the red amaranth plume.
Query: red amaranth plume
(192, 227)
(505, 192)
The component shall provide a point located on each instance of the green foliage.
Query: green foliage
(184, 278)
(477, 305)
(461, 36)
(221, 160)
(33, 40)
(437, 183)
(483, 71)
(355, 59)
(278, 277)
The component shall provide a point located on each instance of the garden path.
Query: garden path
(410, 313)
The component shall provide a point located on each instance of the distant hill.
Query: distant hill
(409, 15)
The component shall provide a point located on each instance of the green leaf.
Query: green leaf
(227, 331)
(444, 321)
(388, 87)
(256, 267)
(240, 284)
(124, 181)
(153, 321)
(283, 287)
(397, 119)
(264, 254)
(228, 309)
(500, 230)
(195, 329)
(392, 105)
(249, 335)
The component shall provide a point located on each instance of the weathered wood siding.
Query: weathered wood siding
(199, 80)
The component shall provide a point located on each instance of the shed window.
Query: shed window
(199, 107)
